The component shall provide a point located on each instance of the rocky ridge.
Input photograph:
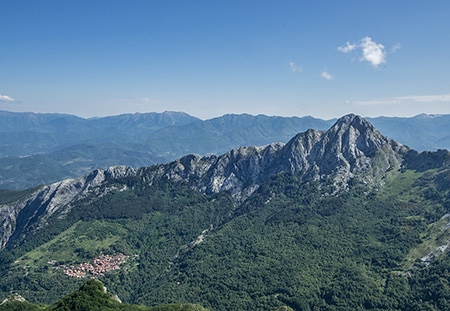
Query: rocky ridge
(351, 149)
(16, 219)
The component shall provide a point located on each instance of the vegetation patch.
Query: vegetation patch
(84, 240)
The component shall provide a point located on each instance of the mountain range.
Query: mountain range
(338, 219)
(43, 148)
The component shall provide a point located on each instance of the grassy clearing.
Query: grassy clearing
(436, 235)
(401, 184)
(71, 247)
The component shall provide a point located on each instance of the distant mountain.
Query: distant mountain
(24, 134)
(341, 219)
(217, 135)
(11, 122)
(54, 122)
(62, 146)
(422, 132)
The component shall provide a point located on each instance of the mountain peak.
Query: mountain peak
(355, 121)
(355, 136)
(351, 147)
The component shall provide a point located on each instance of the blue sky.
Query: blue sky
(209, 58)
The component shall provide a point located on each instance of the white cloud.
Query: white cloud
(294, 67)
(371, 51)
(5, 98)
(326, 75)
(424, 99)
(347, 48)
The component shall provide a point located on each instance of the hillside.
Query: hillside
(342, 219)
(91, 296)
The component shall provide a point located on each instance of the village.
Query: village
(98, 267)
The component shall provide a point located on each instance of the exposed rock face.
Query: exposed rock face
(351, 148)
(13, 297)
(17, 219)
